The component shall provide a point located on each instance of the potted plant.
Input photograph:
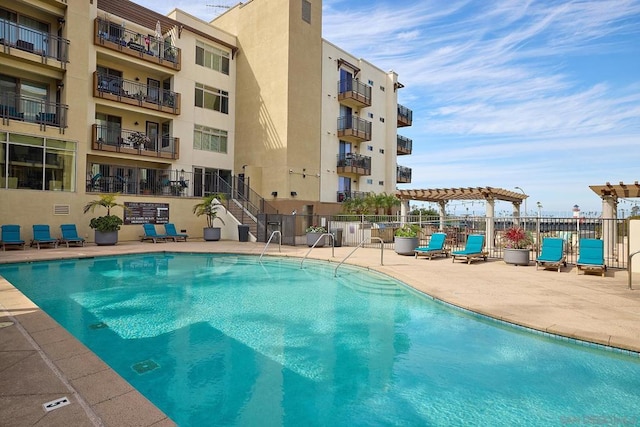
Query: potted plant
(106, 227)
(516, 246)
(313, 234)
(406, 239)
(209, 207)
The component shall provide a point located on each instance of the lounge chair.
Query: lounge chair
(11, 236)
(151, 234)
(42, 236)
(472, 250)
(591, 256)
(435, 246)
(171, 233)
(70, 235)
(552, 253)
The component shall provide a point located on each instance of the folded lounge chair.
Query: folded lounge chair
(70, 235)
(591, 256)
(151, 234)
(435, 246)
(42, 236)
(171, 233)
(472, 250)
(552, 253)
(11, 236)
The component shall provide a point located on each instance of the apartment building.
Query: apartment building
(108, 96)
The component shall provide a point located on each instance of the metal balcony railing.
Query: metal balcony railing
(345, 195)
(354, 127)
(113, 138)
(403, 174)
(405, 116)
(136, 93)
(355, 91)
(34, 41)
(354, 163)
(22, 108)
(404, 145)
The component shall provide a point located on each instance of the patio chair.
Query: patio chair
(42, 236)
(171, 233)
(552, 253)
(591, 256)
(70, 235)
(434, 248)
(11, 236)
(151, 234)
(472, 250)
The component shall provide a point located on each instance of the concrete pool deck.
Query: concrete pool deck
(40, 362)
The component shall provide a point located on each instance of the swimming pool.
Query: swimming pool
(226, 340)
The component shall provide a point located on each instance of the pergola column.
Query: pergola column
(516, 213)
(609, 225)
(490, 223)
(443, 214)
(404, 210)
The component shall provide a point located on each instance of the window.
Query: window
(382, 151)
(382, 119)
(371, 115)
(369, 147)
(211, 98)
(306, 11)
(380, 182)
(370, 82)
(369, 181)
(382, 88)
(212, 57)
(209, 139)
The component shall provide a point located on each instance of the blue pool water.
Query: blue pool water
(226, 340)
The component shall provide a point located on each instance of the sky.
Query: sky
(542, 95)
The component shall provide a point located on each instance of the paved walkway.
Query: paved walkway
(40, 362)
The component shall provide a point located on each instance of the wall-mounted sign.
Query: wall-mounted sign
(146, 213)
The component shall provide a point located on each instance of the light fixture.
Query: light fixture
(137, 79)
(294, 194)
(61, 21)
(135, 123)
(274, 193)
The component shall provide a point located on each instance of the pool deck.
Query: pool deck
(41, 362)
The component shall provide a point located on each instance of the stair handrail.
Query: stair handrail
(314, 245)
(269, 241)
(335, 271)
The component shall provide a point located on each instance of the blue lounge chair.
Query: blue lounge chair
(435, 246)
(552, 253)
(591, 256)
(151, 234)
(171, 233)
(11, 236)
(472, 250)
(42, 236)
(70, 235)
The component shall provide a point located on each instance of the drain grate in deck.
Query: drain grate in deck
(145, 366)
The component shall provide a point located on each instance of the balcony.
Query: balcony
(354, 129)
(25, 109)
(354, 164)
(135, 93)
(147, 47)
(116, 140)
(354, 93)
(404, 145)
(405, 116)
(113, 178)
(44, 46)
(403, 175)
(346, 195)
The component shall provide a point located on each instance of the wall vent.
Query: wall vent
(61, 209)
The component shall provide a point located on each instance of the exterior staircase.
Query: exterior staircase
(236, 209)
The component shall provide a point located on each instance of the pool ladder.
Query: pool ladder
(269, 241)
(335, 272)
(316, 242)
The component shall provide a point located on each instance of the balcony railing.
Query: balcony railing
(354, 93)
(135, 93)
(133, 43)
(22, 108)
(131, 180)
(354, 163)
(114, 139)
(405, 116)
(403, 174)
(46, 45)
(354, 129)
(404, 145)
(345, 195)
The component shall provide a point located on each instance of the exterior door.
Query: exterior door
(153, 130)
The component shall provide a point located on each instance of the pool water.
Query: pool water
(228, 340)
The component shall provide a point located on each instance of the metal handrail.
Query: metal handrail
(269, 241)
(314, 245)
(335, 272)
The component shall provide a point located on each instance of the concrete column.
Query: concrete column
(404, 210)
(442, 204)
(609, 226)
(490, 223)
(516, 213)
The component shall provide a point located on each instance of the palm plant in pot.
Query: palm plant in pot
(517, 242)
(406, 239)
(106, 227)
(208, 207)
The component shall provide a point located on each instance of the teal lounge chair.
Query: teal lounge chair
(591, 256)
(552, 253)
(151, 234)
(435, 246)
(70, 235)
(11, 236)
(42, 236)
(171, 233)
(472, 250)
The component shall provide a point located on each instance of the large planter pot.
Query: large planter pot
(106, 238)
(211, 234)
(406, 245)
(516, 256)
(313, 237)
